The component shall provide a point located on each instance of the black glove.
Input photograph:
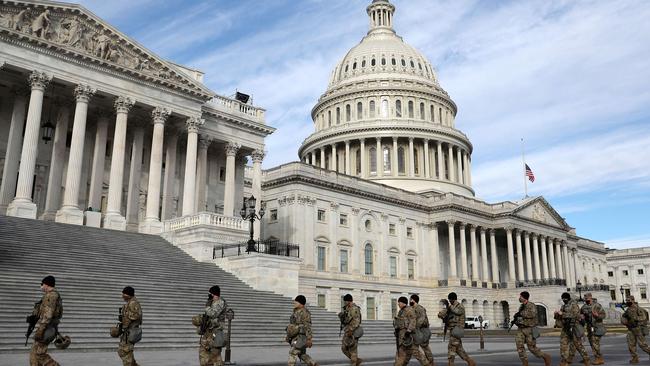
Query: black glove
(445, 302)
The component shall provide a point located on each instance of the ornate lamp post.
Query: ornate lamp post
(622, 295)
(579, 288)
(247, 212)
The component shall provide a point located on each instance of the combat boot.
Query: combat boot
(359, 360)
(563, 363)
(586, 362)
(547, 359)
(598, 361)
(450, 362)
(524, 362)
(471, 362)
(634, 360)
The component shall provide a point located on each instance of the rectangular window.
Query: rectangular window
(610, 274)
(393, 266)
(627, 293)
(640, 271)
(625, 273)
(321, 300)
(321, 258)
(391, 229)
(343, 219)
(409, 232)
(411, 268)
(644, 293)
(393, 306)
(274, 214)
(321, 215)
(344, 261)
(371, 310)
(612, 294)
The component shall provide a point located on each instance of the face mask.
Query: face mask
(566, 301)
(588, 302)
(629, 303)
(521, 300)
(412, 303)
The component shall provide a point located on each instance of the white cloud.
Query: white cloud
(629, 242)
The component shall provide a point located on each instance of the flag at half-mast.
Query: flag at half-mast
(529, 174)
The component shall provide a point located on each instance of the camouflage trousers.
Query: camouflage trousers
(454, 348)
(125, 351)
(523, 338)
(594, 342)
(349, 346)
(208, 355)
(299, 353)
(568, 347)
(404, 354)
(39, 357)
(634, 336)
(426, 352)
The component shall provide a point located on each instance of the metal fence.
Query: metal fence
(544, 282)
(272, 247)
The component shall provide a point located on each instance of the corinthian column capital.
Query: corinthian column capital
(257, 156)
(160, 114)
(83, 93)
(232, 148)
(205, 141)
(123, 104)
(39, 80)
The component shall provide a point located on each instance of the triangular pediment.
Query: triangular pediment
(538, 209)
(71, 30)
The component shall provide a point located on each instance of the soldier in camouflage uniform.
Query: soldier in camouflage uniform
(526, 319)
(421, 321)
(456, 318)
(301, 320)
(351, 320)
(635, 319)
(49, 310)
(568, 316)
(594, 311)
(215, 309)
(131, 317)
(404, 324)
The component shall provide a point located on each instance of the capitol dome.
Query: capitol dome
(384, 117)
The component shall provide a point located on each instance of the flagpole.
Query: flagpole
(523, 165)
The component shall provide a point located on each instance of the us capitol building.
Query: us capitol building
(97, 130)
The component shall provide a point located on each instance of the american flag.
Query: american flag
(529, 174)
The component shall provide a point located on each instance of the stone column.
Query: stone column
(551, 258)
(474, 249)
(257, 157)
(14, 147)
(99, 159)
(70, 212)
(322, 158)
(201, 198)
(435, 248)
(348, 171)
(567, 268)
(459, 165)
(169, 181)
(450, 160)
(484, 256)
(441, 167)
(463, 252)
(22, 205)
(466, 171)
(113, 218)
(411, 158)
(453, 273)
(511, 255)
(494, 256)
(538, 273)
(189, 184)
(469, 170)
(312, 156)
(529, 259)
(427, 162)
(229, 195)
(135, 175)
(364, 160)
(333, 161)
(152, 224)
(380, 160)
(394, 163)
(558, 257)
(544, 258)
(520, 257)
(54, 185)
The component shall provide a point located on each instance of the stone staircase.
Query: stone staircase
(92, 266)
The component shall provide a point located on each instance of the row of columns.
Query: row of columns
(69, 211)
(457, 159)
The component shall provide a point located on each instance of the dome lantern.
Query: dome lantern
(381, 13)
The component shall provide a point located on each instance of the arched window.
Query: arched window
(348, 113)
(357, 157)
(416, 162)
(422, 116)
(398, 108)
(338, 115)
(403, 63)
(359, 110)
(346, 67)
(383, 61)
(412, 64)
(371, 109)
(386, 155)
(401, 166)
(440, 115)
(354, 66)
(410, 109)
(363, 63)
(384, 108)
(420, 65)
(373, 62)
(373, 161)
(433, 113)
(329, 118)
(393, 61)
(368, 259)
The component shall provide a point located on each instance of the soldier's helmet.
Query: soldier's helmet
(292, 330)
(62, 342)
(115, 331)
(196, 320)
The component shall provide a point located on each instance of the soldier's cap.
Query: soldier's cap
(347, 297)
(452, 296)
(415, 297)
(525, 295)
(128, 290)
(566, 295)
(300, 299)
(48, 280)
(588, 294)
(215, 290)
(403, 300)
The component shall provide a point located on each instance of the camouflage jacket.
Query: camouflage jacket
(404, 322)
(351, 317)
(216, 311)
(421, 318)
(49, 309)
(587, 311)
(131, 313)
(457, 317)
(634, 316)
(527, 315)
(301, 317)
(570, 313)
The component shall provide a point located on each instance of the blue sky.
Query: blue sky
(570, 77)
